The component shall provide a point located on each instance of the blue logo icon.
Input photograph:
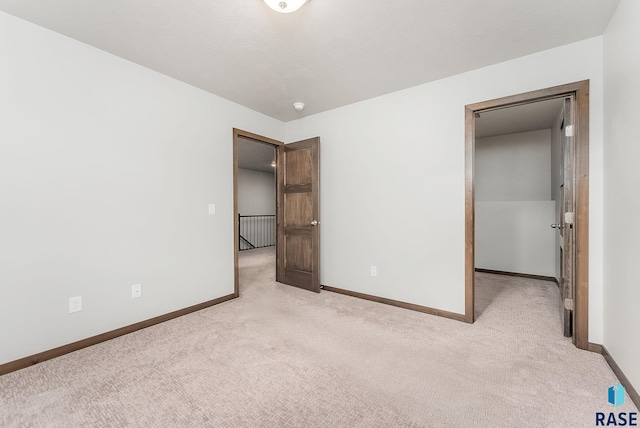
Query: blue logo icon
(616, 395)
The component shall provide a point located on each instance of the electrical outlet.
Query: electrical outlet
(75, 304)
(374, 270)
(136, 291)
(212, 209)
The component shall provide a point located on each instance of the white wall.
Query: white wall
(392, 178)
(106, 173)
(513, 203)
(256, 192)
(514, 236)
(514, 167)
(622, 204)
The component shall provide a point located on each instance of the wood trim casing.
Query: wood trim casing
(594, 347)
(399, 304)
(255, 137)
(624, 380)
(581, 314)
(581, 92)
(237, 134)
(279, 213)
(470, 215)
(519, 275)
(236, 226)
(94, 340)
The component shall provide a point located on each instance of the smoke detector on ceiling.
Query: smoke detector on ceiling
(298, 106)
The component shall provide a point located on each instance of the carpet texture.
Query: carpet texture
(283, 357)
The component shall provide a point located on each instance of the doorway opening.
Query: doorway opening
(571, 104)
(297, 209)
(254, 196)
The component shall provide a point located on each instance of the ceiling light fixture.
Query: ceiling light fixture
(298, 106)
(283, 6)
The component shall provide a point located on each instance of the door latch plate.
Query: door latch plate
(569, 304)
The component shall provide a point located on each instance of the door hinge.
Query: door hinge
(568, 131)
(569, 304)
(568, 217)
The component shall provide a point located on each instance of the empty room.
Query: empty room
(314, 213)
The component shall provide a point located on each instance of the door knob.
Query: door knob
(556, 226)
(314, 223)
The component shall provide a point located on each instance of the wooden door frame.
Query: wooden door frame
(581, 92)
(237, 134)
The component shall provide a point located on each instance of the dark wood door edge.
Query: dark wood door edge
(403, 305)
(90, 341)
(519, 275)
(255, 137)
(633, 393)
(299, 217)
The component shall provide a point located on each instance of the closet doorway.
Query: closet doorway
(570, 192)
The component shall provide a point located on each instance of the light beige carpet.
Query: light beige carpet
(283, 357)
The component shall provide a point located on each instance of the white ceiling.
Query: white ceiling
(522, 118)
(328, 54)
(255, 156)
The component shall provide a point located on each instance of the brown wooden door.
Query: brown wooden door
(566, 221)
(299, 214)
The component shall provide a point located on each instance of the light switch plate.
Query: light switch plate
(75, 304)
(212, 209)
